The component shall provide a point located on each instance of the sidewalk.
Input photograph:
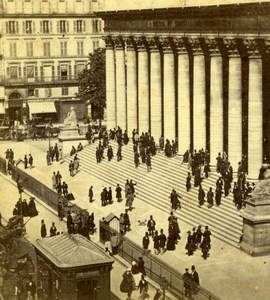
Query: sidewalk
(228, 273)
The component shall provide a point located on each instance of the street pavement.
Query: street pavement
(228, 273)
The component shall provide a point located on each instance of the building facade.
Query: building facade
(199, 75)
(44, 45)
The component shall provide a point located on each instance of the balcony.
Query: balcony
(40, 80)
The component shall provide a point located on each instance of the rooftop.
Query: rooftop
(73, 250)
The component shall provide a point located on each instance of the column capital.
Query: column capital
(140, 42)
(130, 43)
(180, 45)
(166, 43)
(252, 47)
(195, 45)
(231, 46)
(108, 41)
(118, 42)
(212, 44)
(153, 43)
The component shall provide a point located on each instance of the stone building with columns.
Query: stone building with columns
(198, 75)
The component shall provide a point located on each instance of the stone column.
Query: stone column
(110, 83)
(199, 98)
(183, 97)
(132, 96)
(155, 90)
(143, 86)
(234, 105)
(121, 106)
(216, 101)
(168, 90)
(255, 110)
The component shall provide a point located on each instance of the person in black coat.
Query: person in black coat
(156, 242)
(195, 279)
(151, 224)
(190, 246)
(218, 195)
(90, 194)
(32, 210)
(201, 196)
(145, 242)
(109, 195)
(118, 191)
(43, 230)
(162, 241)
(187, 279)
(210, 198)
(25, 161)
(188, 182)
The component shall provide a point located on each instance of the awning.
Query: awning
(41, 107)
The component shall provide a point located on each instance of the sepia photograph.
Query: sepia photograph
(134, 149)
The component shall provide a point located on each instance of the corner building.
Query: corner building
(44, 45)
(198, 75)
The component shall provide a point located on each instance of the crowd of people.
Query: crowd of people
(24, 209)
(55, 153)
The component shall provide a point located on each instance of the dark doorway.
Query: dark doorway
(87, 290)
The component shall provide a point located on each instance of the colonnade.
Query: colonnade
(162, 85)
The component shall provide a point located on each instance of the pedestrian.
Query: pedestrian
(30, 160)
(195, 279)
(71, 168)
(141, 267)
(188, 182)
(136, 159)
(56, 152)
(119, 153)
(60, 154)
(32, 210)
(210, 198)
(156, 243)
(53, 230)
(25, 161)
(145, 242)
(126, 221)
(187, 280)
(201, 196)
(58, 177)
(128, 283)
(151, 224)
(109, 195)
(24, 208)
(190, 246)
(60, 210)
(118, 193)
(148, 163)
(65, 188)
(122, 223)
(48, 158)
(143, 288)
(162, 241)
(218, 194)
(158, 295)
(43, 229)
(76, 164)
(115, 241)
(108, 247)
(54, 180)
(90, 194)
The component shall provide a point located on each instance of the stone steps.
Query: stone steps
(154, 188)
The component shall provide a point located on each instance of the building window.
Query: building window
(46, 49)
(13, 72)
(12, 27)
(30, 71)
(28, 27)
(13, 49)
(45, 27)
(63, 26)
(63, 46)
(95, 45)
(31, 92)
(95, 26)
(64, 91)
(80, 47)
(79, 26)
(79, 69)
(64, 72)
(29, 49)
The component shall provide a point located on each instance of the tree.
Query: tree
(92, 83)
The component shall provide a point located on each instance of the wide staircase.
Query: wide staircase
(154, 188)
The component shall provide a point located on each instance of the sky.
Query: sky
(146, 4)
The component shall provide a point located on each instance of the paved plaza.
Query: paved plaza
(228, 273)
